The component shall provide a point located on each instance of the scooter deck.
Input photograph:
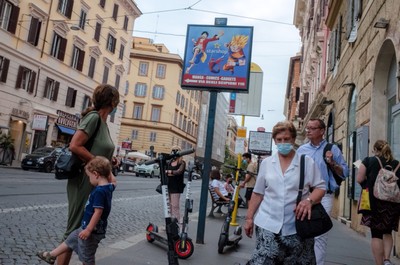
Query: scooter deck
(233, 240)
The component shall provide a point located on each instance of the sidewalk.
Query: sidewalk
(345, 246)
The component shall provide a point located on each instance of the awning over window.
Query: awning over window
(66, 130)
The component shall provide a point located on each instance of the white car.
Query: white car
(152, 170)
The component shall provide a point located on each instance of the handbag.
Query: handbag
(320, 221)
(68, 165)
(386, 187)
(158, 188)
(364, 205)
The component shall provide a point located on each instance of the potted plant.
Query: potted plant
(6, 149)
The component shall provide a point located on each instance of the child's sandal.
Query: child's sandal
(45, 256)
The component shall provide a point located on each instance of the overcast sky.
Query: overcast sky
(275, 39)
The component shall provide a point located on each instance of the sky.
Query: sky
(275, 39)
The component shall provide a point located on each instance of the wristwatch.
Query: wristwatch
(311, 201)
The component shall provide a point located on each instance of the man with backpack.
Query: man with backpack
(333, 169)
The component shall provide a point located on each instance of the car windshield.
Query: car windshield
(43, 151)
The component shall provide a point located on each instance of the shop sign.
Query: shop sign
(39, 122)
(20, 113)
(67, 119)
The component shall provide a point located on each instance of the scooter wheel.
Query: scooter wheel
(189, 248)
(222, 243)
(151, 228)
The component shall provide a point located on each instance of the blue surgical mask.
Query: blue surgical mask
(284, 148)
(244, 161)
(113, 111)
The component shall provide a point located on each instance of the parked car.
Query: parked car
(42, 158)
(127, 165)
(147, 170)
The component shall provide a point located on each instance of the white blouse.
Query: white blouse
(276, 211)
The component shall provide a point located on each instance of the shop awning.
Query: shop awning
(66, 130)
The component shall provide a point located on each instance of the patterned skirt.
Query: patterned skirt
(384, 217)
(275, 249)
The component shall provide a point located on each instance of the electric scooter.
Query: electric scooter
(175, 246)
(225, 239)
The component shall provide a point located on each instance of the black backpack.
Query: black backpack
(337, 178)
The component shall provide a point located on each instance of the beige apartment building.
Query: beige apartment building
(350, 71)
(53, 53)
(156, 111)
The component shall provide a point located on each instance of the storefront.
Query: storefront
(66, 124)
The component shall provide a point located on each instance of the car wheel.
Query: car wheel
(25, 168)
(48, 167)
(152, 175)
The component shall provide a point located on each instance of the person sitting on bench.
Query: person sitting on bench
(218, 186)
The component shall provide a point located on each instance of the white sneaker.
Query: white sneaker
(387, 262)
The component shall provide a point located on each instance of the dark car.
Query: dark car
(42, 158)
(127, 165)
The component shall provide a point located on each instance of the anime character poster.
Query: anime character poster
(217, 58)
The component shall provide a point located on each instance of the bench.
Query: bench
(215, 202)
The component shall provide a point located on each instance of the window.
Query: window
(123, 108)
(97, 32)
(135, 134)
(182, 102)
(105, 74)
(180, 120)
(143, 68)
(178, 98)
(4, 64)
(8, 16)
(111, 41)
(92, 66)
(161, 68)
(137, 111)
(58, 47)
(51, 89)
(117, 80)
(26, 79)
(112, 116)
(140, 90)
(158, 92)
(353, 15)
(78, 57)
(176, 117)
(121, 52)
(155, 113)
(115, 12)
(82, 19)
(34, 31)
(65, 7)
(87, 102)
(126, 21)
(126, 88)
(153, 137)
(71, 97)
(102, 3)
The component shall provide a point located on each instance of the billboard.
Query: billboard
(217, 58)
(248, 104)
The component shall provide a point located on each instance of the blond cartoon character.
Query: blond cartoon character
(235, 51)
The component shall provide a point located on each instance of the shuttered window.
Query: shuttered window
(25, 79)
(34, 31)
(97, 32)
(78, 57)
(71, 97)
(92, 67)
(51, 89)
(4, 64)
(58, 47)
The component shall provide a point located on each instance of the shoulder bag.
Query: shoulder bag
(68, 165)
(320, 221)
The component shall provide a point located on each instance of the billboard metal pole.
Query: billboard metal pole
(207, 166)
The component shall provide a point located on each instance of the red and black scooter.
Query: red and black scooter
(179, 244)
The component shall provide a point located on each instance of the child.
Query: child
(85, 240)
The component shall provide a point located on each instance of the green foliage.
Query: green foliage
(6, 141)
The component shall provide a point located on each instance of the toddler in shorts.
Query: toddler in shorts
(85, 240)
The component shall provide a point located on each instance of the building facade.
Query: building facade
(157, 113)
(357, 84)
(53, 53)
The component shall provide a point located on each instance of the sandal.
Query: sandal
(45, 256)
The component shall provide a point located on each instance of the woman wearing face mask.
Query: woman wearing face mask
(273, 209)
(105, 101)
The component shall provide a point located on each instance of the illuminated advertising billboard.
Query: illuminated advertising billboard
(217, 58)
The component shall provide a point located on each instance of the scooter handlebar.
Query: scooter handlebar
(169, 156)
